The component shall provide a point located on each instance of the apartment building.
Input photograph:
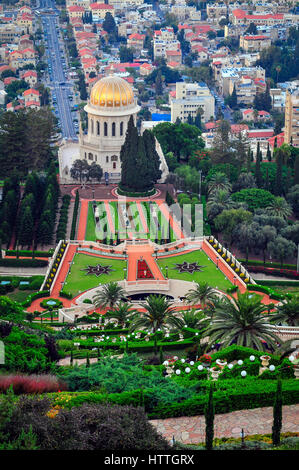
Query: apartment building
(291, 129)
(190, 99)
(254, 43)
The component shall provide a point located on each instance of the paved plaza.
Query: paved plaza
(191, 430)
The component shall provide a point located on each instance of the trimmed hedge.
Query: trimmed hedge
(34, 296)
(278, 283)
(123, 192)
(63, 218)
(253, 262)
(292, 274)
(24, 263)
(66, 295)
(266, 290)
(75, 215)
(29, 253)
(229, 395)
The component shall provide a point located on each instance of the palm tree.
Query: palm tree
(122, 313)
(220, 197)
(202, 294)
(159, 314)
(288, 312)
(109, 295)
(196, 319)
(242, 320)
(279, 207)
(219, 181)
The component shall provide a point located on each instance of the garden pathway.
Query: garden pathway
(134, 254)
(174, 225)
(191, 430)
(82, 222)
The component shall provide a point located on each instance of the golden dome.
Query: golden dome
(111, 92)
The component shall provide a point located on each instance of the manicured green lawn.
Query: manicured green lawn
(78, 281)
(19, 295)
(91, 234)
(209, 274)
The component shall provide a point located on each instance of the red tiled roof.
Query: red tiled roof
(76, 8)
(236, 128)
(137, 36)
(31, 91)
(8, 80)
(263, 134)
(29, 73)
(101, 6)
(32, 103)
(279, 139)
(255, 38)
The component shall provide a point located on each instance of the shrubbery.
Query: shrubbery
(90, 427)
(31, 384)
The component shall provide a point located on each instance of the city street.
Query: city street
(56, 77)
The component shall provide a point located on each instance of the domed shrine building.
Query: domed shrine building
(109, 108)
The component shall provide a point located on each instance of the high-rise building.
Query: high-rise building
(291, 130)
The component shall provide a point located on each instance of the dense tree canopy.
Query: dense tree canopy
(25, 140)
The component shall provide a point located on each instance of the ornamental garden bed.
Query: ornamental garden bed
(78, 279)
(209, 272)
(159, 231)
(143, 270)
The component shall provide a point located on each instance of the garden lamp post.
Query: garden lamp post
(125, 273)
(166, 268)
(217, 261)
(234, 280)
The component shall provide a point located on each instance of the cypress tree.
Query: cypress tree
(258, 173)
(296, 170)
(152, 156)
(72, 358)
(278, 189)
(128, 157)
(268, 155)
(209, 418)
(277, 415)
(87, 359)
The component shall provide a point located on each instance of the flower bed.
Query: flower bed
(55, 266)
(143, 271)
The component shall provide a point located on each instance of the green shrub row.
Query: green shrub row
(230, 395)
(63, 218)
(234, 352)
(266, 290)
(123, 192)
(75, 215)
(29, 253)
(134, 346)
(65, 295)
(34, 296)
(253, 262)
(24, 263)
(278, 283)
